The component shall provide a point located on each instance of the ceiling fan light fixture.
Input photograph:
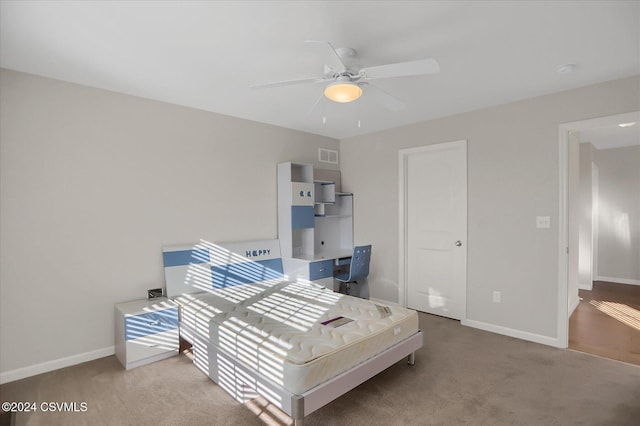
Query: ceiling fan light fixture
(342, 92)
(566, 68)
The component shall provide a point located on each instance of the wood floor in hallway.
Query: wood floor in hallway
(607, 322)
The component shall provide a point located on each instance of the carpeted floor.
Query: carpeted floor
(462, 376)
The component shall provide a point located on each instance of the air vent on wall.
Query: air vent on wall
(327, 156)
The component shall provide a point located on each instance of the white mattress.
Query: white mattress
(291, 332)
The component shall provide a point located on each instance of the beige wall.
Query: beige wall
(93, 184)
(513, 176)
(618, 240)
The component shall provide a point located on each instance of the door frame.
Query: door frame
(403, 156)
(595, 217)
(564, 245)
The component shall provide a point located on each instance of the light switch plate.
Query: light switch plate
(543, 222)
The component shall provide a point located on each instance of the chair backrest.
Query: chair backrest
(360, 262)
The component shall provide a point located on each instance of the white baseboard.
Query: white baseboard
(618, 280)
(519, 334)
(32, 370)
(574, 304)
(585, 285)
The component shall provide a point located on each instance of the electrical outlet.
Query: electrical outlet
(154, 293)
(543, 222)
(496, 297)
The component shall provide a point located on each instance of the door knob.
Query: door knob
(458, 243)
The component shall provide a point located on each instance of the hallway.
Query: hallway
(607, 322)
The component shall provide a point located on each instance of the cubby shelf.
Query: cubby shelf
(316, 227)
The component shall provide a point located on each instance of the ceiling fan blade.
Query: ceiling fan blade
(383, 98)
(341, 67)
(318, 106)
(402, 69)
(286, 83)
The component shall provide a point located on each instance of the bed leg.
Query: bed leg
(297, 410)
(411, 360)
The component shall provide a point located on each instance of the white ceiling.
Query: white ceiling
(612, 136)
(206, 54)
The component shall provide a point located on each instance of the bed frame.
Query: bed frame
(205, 266)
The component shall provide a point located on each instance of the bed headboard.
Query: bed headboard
(206, 266)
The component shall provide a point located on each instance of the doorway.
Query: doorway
(580, 205)
(607, 322)
(433, 228)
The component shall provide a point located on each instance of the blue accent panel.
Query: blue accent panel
(322, 269)
(302, 217)
(344, 261)
(246, 272)
(185, 257)
(150, 323)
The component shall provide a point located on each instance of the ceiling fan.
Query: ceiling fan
(345, 81)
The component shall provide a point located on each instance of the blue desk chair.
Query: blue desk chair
(358, 272)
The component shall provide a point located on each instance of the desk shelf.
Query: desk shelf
(332, 230)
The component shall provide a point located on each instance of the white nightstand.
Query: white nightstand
(146, 331)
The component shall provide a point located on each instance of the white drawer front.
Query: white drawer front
(151, 345)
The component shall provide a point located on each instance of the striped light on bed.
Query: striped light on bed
(206, 266)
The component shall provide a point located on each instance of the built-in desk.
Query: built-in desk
(315, 223)
(319, 268)
(334, 255)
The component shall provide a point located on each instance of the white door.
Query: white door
(435, 206)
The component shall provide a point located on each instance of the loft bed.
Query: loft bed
(296, 344)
